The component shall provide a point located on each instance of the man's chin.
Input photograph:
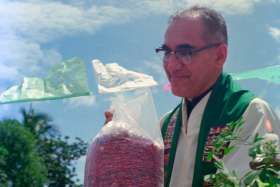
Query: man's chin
(180, 93)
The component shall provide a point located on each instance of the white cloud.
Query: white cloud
(154, 67)
(25, 56)
(278, 58)
(4, 110)
(275, 33)
(80, 167)
(231, 7)
(26, 25)
(277, 111)
(44, 21)
(85, 101)
(170, 6)
(6, 71)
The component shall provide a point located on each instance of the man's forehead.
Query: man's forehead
(184, 30)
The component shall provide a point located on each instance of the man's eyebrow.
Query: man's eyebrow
(180, 46)
(164, 46)
(184, 46)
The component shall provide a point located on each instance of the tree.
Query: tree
(39, 124)
(56, 150)
(20, 165)
(3, 157)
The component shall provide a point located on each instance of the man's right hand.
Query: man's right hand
(108, 116)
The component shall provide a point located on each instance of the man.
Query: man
(194, 52)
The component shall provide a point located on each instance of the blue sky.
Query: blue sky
(36, 34)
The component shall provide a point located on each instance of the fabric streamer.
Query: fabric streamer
(66, 79)
(269, 73)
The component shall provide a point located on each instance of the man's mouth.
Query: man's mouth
(180, 76)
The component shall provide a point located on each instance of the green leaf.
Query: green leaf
(250, 177)
(229, 150)
(257, 138)
(263, 184)
(219, 164)
(210, 156)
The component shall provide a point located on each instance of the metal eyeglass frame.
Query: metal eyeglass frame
(183, 54)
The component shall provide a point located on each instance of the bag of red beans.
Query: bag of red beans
(128, 151)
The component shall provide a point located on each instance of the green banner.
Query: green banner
(270, 74)
(66, 79)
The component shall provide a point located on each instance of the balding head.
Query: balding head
(214, 24)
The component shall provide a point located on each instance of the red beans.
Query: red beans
(124, 160)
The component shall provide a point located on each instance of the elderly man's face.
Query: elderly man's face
(191, 79)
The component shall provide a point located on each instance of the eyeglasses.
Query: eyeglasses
(182, 52)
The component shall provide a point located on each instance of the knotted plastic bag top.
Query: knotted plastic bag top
(113, 78)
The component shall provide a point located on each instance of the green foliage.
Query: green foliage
(57, 151)
(256, 148)
(3, 158)
(223, 179)
(265, 166)
(34, 154)
(224, 138)
(59, 155)
(20, 165)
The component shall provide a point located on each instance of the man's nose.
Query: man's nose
(173, 62)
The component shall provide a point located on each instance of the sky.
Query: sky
(36, 34)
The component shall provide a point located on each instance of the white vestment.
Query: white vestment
(257, 114)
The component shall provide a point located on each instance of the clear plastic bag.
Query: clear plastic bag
(128, 151)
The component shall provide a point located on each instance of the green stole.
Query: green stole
(226, 103)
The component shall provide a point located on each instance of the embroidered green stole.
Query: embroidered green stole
(226, 103)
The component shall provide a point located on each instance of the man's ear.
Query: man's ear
(221, 54)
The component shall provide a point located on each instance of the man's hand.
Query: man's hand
(108, 116)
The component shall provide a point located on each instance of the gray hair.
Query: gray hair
(215, 28)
